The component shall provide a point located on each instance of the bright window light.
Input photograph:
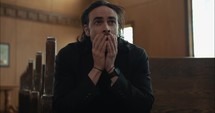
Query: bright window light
(203, 28)
(128, 34)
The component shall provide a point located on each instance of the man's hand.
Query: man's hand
(99, 44)
(112, 51)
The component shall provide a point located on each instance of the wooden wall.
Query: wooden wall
(159, 27)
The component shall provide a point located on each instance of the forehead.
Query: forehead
(102, 11)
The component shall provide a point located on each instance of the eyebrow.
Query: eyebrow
(100, 18)
(97, 18)
(112, 18)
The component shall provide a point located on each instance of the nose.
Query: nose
(106, 29)
(106, 32)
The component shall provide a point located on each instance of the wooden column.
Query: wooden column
(50, 62)
(37, 84)
(43, 79)
(38, 72)
(49, 76)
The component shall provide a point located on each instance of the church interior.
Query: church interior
(181, 83)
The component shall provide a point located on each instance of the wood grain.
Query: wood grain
(183, 85)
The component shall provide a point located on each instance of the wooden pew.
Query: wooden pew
(36, 89)
(183, 85)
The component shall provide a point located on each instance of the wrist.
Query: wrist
(115, 72)
(98, 69)
(111, 69)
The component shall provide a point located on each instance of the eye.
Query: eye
(112, 22)
(97, 22)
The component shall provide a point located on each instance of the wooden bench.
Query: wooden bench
(183, 85)
(36, 85)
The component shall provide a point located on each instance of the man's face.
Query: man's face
(102, 19)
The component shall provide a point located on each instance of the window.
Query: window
(128, 33)
(203, 28)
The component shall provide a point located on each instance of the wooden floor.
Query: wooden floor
(183, 85)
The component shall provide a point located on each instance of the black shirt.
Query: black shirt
(74, 92)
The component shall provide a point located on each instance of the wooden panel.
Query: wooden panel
(160, 27)
(65, 7)
(183, 85)
(24, 13)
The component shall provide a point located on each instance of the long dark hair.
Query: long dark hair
(85, 15)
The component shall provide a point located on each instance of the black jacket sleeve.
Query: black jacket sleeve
(68, 94)
(136, 91)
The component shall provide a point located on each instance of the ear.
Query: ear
(86, 30)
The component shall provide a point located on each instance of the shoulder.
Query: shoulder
(70, 50)
(132, 49)
(71, 46)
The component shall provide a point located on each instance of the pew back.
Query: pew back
(183, 85)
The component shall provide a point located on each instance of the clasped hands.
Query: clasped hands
(104, 51)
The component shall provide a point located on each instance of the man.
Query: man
(102, 73)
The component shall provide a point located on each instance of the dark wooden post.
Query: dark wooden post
(50, 64)
(43, 79)
(30, 75)
(37, 84)
(49, 76)
(38, 72)
(35, 102)
(25, 89)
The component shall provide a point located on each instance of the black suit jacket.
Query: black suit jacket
(74, 92)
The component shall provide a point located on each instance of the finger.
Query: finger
(113, 40)
(99, 44)
(110, 47)
(96, 40)
(102, 45)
